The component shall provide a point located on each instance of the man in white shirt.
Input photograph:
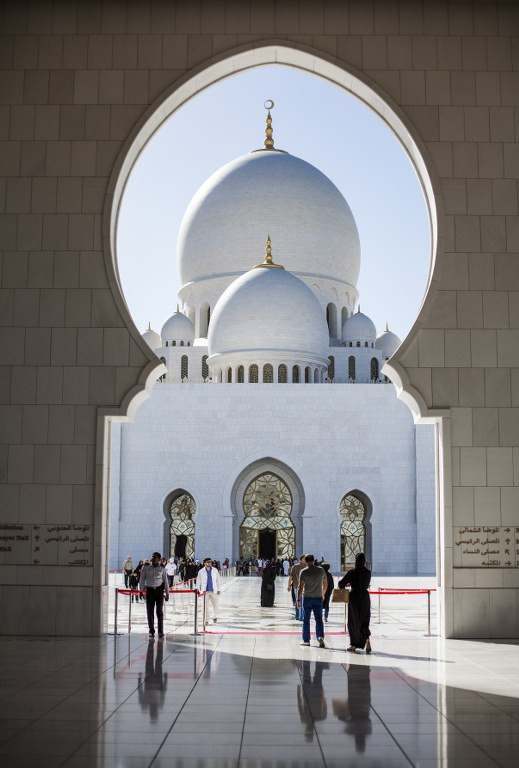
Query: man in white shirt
(154, 580)
(208, 583)
(171, 570)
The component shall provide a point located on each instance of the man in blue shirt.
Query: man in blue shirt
(208, 583)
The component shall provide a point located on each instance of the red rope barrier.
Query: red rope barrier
(400, 592)
(142, 592)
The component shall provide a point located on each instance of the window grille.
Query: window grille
(184, 367)
(253, 373)
(205, 368)
(374, 369)
(331, 367)
(282, 374)
(307, 375)
(295, 374)
(229, 375)
(268, 374)
(351, 368)
(241, 374)
(353, 530)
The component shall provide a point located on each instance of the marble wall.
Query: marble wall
(77, 79)
(331, 439)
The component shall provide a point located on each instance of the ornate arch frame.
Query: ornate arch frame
(168, 501)
(306, 58)
(368, 506)
(246, 476)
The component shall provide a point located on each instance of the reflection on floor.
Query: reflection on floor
(257, 699)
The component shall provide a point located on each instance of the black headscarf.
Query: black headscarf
(360, 560)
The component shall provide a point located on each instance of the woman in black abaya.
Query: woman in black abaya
(359, 606)
(268, 591)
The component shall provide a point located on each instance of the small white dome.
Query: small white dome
(388, 343)
(178, 328)
(152, 338)
(359, 327)
(261, 192)
(268, 312)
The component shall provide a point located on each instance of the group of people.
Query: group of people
(311, 585)
(309, 581)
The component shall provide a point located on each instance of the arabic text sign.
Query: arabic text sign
(486, 546)
(49, 544)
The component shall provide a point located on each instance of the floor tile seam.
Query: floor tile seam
(115, 710)
(451, 722)
(246, 701)
(64, 700)
(300, 670)
(166, 735)
(384, 724)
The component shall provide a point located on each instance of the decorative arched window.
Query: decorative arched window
(366, 344)
(282, 374)
(307, 375)
(351, 368)
(316, 376)
(205, 316)
(163, 377)
(267, 509)
(241, 374)
(173, 343)
(184, 367)
(344, 315)
(181, 343)
(358, 344)
(353, 530)
(229, 375)
(182, 527)
(331, 367)
(253, 373)
(205, 367)
(295, 374)
(331, 319)
(374, 369)
(268, 374)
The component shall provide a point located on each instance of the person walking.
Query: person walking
(359, 605)
(293, 584)
(154, 580)
(310, 594)
(171, 570)
(268, 590)
(127, 570)
(208, 583)
(329, 590)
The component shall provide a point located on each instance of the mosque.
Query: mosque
(274, 430)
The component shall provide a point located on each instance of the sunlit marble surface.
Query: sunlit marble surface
(247, 694)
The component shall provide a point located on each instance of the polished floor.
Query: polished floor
(247, 694)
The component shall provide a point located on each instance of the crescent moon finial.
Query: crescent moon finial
(269, 141)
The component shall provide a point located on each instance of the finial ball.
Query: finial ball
(268, 104)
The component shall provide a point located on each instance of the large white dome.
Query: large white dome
(268, 313)
(269, 191)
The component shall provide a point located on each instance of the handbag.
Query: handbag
(341, 596)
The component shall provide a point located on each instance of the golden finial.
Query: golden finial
(268, 257)
(358, 310)
(269, 141)
(387, 327)
(178, 310)
(149, 326)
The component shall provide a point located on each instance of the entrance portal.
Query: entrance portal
(180, 546)
(267, 529)
(267, 544)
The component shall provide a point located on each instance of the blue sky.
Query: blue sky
(313, 119)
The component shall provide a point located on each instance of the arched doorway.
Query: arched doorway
(181, 510)
(267, 529)
(355, 529)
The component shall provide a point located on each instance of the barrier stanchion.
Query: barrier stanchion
(379, 607)
(196, 612)
(428, 611)
(116, 607)
(204, 617)
(130, 598)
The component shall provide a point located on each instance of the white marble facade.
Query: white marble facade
(333, 439)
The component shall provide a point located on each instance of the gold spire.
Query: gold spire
(387, 327)
(149, 326)
(178, 310)
(358, 310)
(269, 141)
(268, 257)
